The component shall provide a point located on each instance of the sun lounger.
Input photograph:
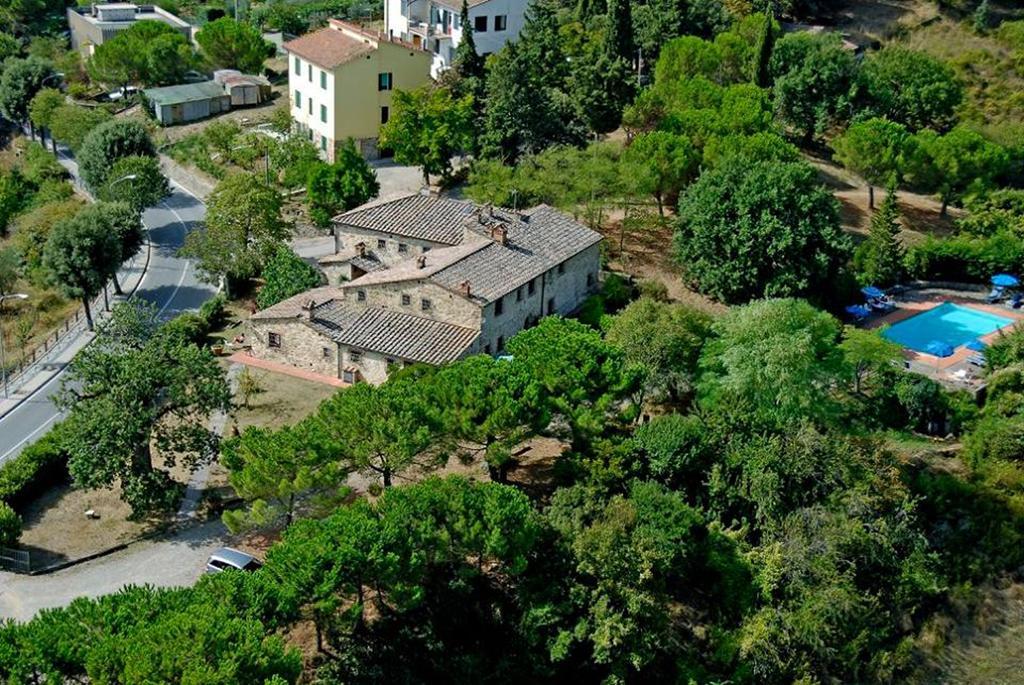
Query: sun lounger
(976, 360)
(1016, 301)
(996, 295)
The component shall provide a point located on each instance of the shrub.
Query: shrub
(965, 258)
(39, 466)
(10, 525)
(285, 275)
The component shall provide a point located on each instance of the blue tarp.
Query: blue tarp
(872, 292)
(858, 310)
(977, 345)
(939, 348)
(1005, 280)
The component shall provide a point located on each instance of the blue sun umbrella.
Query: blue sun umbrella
(858, 311)
(977, 345)
(872, 292)
(939, 348)
(1005, 280)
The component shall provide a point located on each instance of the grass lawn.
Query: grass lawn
(284, 400)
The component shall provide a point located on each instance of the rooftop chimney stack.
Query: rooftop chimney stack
(499, 234)
(307, 310)
(421, 262)
(464, 289)
(361, 249)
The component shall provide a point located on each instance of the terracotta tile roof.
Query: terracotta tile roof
(408, 337)
(433, 219)
(328, 47)
(411, 269)
(293, 306)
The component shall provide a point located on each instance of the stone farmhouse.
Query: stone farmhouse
(431, 280)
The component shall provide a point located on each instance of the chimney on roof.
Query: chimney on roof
(307, 310)
(361, 249)
(499, 234)
(464, 289)
(421, 262)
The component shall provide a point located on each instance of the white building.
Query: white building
(435, 25)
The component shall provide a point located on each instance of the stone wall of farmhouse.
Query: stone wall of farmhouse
(444, 304)
(567, 290)
(373, 366)
(301, 346)
(390, 254)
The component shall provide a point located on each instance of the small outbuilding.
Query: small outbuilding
(187, 102)
(244, 89)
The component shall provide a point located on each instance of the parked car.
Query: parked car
(122, 93)
(227, 558)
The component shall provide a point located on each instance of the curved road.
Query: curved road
(170, 282)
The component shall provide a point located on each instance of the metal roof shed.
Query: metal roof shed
(187, 102)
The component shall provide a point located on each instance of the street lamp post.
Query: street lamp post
(3, 350)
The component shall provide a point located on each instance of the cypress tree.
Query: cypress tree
(762, 72)
(468, 63)
(883, 263)
(619, 40)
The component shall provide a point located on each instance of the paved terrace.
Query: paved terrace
(954, 371)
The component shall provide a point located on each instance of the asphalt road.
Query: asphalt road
(170, 283)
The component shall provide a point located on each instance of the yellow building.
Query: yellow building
(340, 82)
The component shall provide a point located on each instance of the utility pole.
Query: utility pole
(3, 349)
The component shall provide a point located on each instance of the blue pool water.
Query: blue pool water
(950, 323)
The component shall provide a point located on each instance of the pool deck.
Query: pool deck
(955, 368)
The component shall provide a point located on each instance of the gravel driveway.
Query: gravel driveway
(175, 561)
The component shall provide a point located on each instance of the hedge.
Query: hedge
(10, 525)
(966, 258)
(39, 467)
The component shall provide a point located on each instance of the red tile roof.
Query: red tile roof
(328, 47)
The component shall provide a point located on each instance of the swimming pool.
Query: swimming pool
(950, 323)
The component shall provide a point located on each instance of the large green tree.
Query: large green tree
(334, 188)
(82, 253)
(774, 361)
(41, 109)
(21, 80)
(661, 164)
(70, 124)
(428, 126)
(873, 149)
(953, 165)
(231, 44)
(136, 180)
(380, 431)
(761, 229)
(104, 145)
(664, 340)
(243, 229)
(171, 387)
(813, 76)
(149, 53)
(912, 88)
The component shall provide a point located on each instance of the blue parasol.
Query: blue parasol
(939, 348)
(858, 310)
(977, 345)
(872, 292)
(1005, 280)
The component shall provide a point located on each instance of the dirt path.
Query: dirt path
(919, 214)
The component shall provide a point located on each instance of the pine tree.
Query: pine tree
(619, 40)
(586, 9)
(762, 72)
(883, 263)
(468, 63)
(541, 45)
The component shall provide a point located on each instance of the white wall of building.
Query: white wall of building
(304, 78)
